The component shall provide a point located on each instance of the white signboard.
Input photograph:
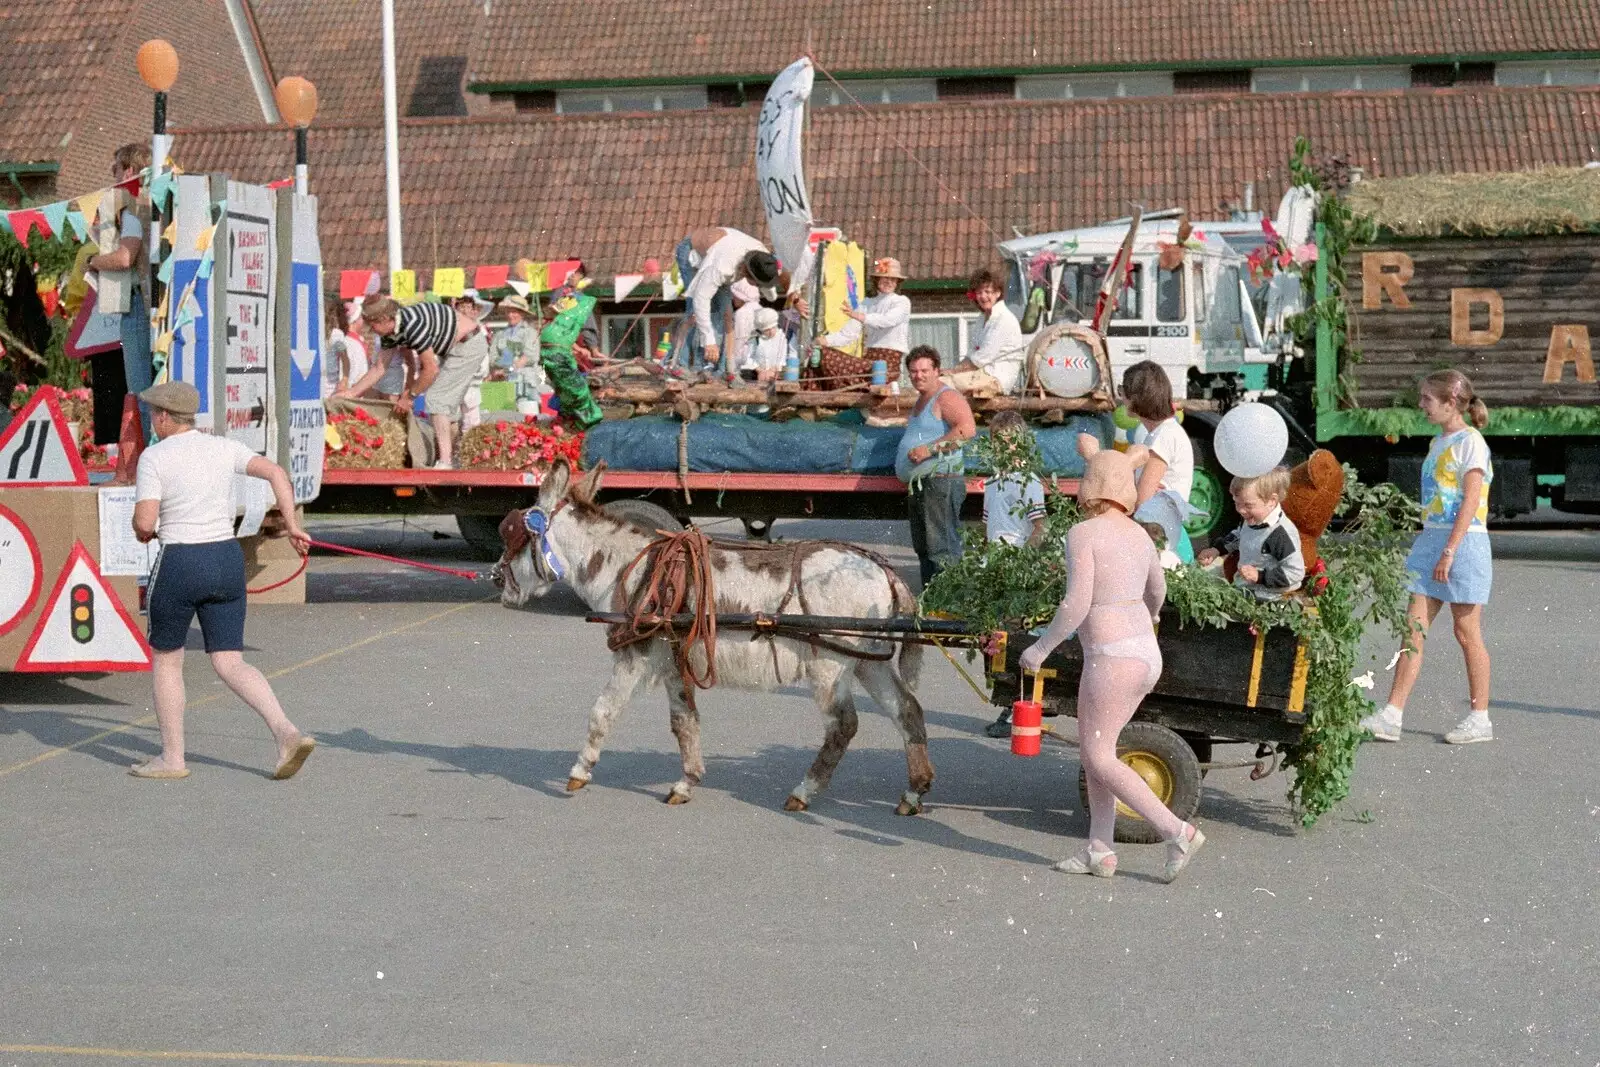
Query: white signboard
(248, 311)
(120, 551)
(779, 170)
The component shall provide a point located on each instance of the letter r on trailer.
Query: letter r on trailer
(1385, 272)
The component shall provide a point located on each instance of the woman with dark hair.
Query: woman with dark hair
(994, 362)
(1167, 476)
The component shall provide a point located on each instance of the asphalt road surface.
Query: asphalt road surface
(425, 891)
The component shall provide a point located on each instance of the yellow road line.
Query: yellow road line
(251, 1057)
(302, 665)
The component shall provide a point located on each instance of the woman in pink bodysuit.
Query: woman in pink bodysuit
(1115, 588)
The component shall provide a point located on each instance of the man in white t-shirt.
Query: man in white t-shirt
(185, 499)
(998, 350)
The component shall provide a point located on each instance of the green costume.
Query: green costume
(555, 355)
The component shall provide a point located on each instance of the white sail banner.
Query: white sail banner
(779, 169)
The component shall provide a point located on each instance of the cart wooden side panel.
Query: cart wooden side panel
(1225, 683)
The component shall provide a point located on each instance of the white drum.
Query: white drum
(1065, 362)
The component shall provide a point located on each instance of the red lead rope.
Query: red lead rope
(454, 572)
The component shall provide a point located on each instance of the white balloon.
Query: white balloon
(1250, 440)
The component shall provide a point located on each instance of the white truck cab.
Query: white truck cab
(1205, 315)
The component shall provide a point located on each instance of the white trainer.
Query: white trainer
(1383, 728)
(1470, 730)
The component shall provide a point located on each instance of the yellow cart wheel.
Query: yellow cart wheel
(1168, 766)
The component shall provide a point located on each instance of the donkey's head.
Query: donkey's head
(532, 560)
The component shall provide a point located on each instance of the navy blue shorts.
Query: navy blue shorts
(205, 580)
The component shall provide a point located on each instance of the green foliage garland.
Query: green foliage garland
(1341, 228)
(998, 585)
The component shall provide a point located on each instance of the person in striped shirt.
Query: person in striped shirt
(431, 331)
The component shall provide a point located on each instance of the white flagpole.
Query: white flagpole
(391, 138)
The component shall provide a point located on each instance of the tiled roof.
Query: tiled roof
(69, 91)
(547, 43)
(615, 190)
(338, 45)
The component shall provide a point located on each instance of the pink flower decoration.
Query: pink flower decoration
(1306, 253)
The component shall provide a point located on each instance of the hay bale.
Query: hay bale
(1543, 202)
(369, 442)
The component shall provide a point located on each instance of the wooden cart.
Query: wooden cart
(1217, 687)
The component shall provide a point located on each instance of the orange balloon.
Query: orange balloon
(297, 100)
(157, 61)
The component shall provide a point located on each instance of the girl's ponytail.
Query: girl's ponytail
(1457, 388)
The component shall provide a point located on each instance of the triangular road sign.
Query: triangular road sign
(37, 448)
(83, 626)
(91, 332)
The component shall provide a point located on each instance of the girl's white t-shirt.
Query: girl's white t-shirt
(1171, 444)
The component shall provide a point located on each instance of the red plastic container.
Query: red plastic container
(1027, 721)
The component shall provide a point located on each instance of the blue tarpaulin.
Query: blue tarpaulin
(749, 444)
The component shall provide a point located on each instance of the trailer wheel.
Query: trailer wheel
(645, 513)
(1167, 764)
(482, 535)
(758, 529)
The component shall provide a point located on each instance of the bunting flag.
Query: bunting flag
(491, 277)
(25, 220)
(202, 240)
(353, 283)
(538, 277)
(403, 284)
(449, 281)
(89, 206)
(623, 284)
(208, 259)
(80, 225)
(164, 272)
(5, 225)
(559, 271)
(519, 286)
(671, 284)
(161, 190)
(56, 215)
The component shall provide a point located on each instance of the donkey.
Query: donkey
(567, 536)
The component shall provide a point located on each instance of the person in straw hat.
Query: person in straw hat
(184, 499)
(884, 318)
(1115, 589)
(516, 349)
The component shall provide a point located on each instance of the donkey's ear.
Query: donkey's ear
(1088, 445)
(553, 487)
(589, 484)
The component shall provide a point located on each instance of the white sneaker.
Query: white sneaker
(1470, 730)
(1382, 726)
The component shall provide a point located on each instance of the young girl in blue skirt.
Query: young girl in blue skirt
(1449, 564)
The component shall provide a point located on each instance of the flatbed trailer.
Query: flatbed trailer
(479, 499)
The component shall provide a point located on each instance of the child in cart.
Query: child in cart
(1266, 545)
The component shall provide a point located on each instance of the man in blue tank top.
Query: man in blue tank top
(931, 463)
